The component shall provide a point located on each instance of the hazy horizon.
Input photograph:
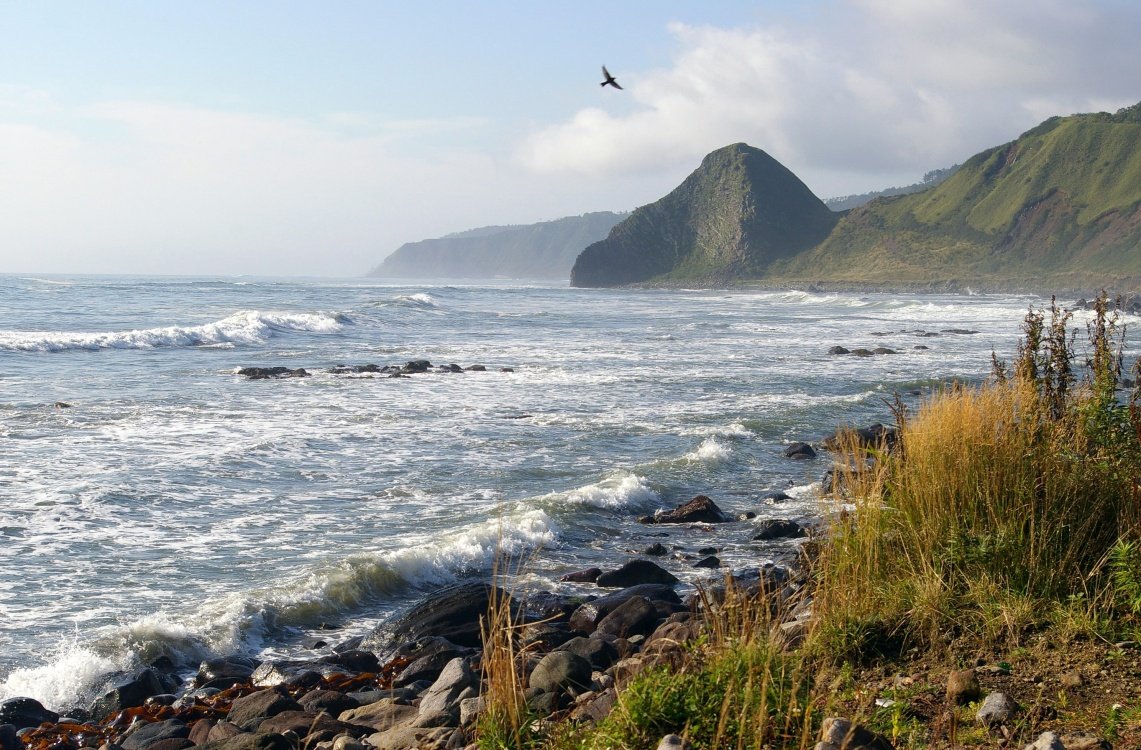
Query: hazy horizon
(289, 140)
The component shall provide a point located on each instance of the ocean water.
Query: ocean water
(178, 508)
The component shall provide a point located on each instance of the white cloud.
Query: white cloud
(873, 88)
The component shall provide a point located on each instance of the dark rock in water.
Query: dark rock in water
(699, 509)
(62, 405)
(871, 436)
(884, 350)
(476, 368)
(586, 618)
(25, 712)
(449, 368)
(657, 549)
(636, 572)
(250, 710)
(355, 369)
(148, 734)
(600, 652)
(507, 369)
(708, 551)
(799, 450)
(551, 607)
(926, 334)
(128, 692)
(711, 561)
(635, 616)
(863, 352)
(452, 612)
(920, 347)
(562, 671)
(236, 668)
(356, 660)
(959, 331)
(839, 350)
(778, 528)
(416, 365)
(264, 373)
(590, 575)
(776, 496)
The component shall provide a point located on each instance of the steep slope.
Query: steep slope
(729, 220)
(1061, 201)
(534, 251)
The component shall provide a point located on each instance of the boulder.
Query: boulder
(778, 528)
(776, 496)
(265, 373)
(413, 738)
(700, 509)
(590, 575)
(444, 695)
(997, 709)
(871, 436)
(842, 733)
(382, 715)
(636, 572)
(600, 652)
(839, 350)
(8, 738)
(332, 702)
(22, 713)
(128, 692)
(429, 657)
(353, 660)
(657, 549)
(586, 618)
(561, 671)
(171, 743)
(416, 365)
(552, 607)
(248, 741)
(147, 734)
(799, 451)
(221, 732)
(1046, 741)
(452, 612)
(231, 668)
(305, 723)
(711, 561)
(250, 710)
(635, 616)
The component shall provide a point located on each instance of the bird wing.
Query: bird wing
(615, 84)
(606, 73)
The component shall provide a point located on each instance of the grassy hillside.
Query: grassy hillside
(1064, 200)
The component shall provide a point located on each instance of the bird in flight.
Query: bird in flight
(609, 79)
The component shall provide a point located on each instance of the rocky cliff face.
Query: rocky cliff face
(729, 220)
(533, 251)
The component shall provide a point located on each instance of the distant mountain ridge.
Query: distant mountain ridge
(1058, 208)
(735, 215)
(930, 180)
(545, 250)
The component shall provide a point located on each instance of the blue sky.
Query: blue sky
(306, 138)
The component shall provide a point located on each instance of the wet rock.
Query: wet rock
(452, 612)
(841, 733)
(562, 671)
(700, 509)
(708, 551)
(800, 451)
(544, 636)
(171, 743)
(222, 731)
(921, 347)
(635, 616)
(552, 607)
(415, 366)
(305, 723)
(712, 561)
(355, 660)
(25, 712)
(148, 734)
(959, 331)
(430, 656)
(779, 528)
(657, 549)
(883, 350)
(590, 575)
(870, 436)
(251, 710)
(355, 369)
(862, 353)
(266, 373)
(128, 692)
(233, 668)
(776, 496)
(586, 618)
(476, 368)
(997, 709)
(839, 350)
(8, 738)
(635, 572)
(962, 687)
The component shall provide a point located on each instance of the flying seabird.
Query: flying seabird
(609, 79)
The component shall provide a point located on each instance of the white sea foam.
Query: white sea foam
(68, 679)
(711, 451)
(733, 430)
(245, 327)
(622, 489)
(420, 299)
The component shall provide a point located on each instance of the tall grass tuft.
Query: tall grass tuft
(996, 498)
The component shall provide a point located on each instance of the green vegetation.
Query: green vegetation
(1061, 200)
(729, 220)
(1004, 517)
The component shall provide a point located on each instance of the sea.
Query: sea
(154, 502)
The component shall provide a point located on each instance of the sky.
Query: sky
(304, 138)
